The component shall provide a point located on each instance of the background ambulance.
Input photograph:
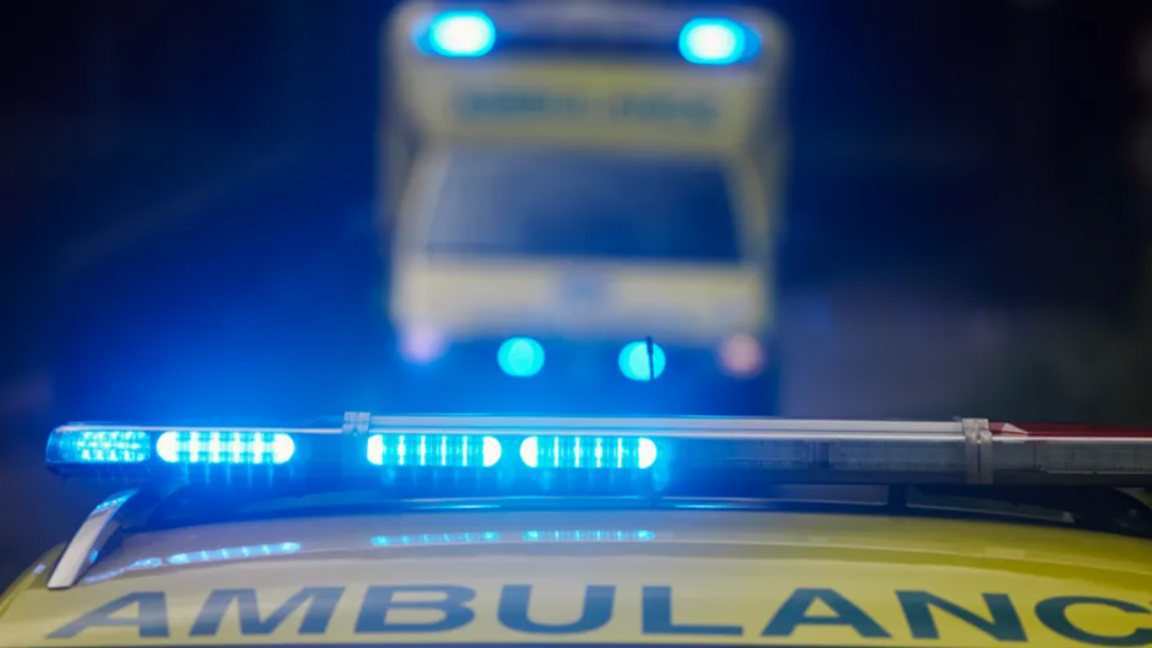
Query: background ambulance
(563, 180)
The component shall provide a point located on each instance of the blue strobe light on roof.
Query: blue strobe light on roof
(521, 357)
(234, 448)
(100, 447)
(588, 452)
(461, 34)
(433, 450)
(634, 361)
(713, 41)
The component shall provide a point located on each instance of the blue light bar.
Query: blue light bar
(634, 361)
(100, 447)
(230, 448)
(714, 41)
(588, 452)
(433, 450)
(521, 357)
(581, 456)
(461, 34)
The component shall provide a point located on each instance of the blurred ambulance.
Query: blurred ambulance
(562, 180)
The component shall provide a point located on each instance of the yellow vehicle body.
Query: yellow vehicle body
(728, 116)
(623, 578)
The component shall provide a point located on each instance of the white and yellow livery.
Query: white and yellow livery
(584, 176)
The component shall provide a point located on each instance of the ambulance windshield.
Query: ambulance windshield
(549, 202)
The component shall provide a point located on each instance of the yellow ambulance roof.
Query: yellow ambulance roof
(692, 577)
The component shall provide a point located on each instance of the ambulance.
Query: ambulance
(564, 181)
(481, 531)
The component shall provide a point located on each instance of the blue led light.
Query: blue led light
(234, 553)
(99, 447)
(588, 536)
(436, 539)
(713, 41)
(433, 450)
(521, 357)
(229, 448)
(634, 361)
(461, 34)
(588, 452)
(211, 556)
(112, 502)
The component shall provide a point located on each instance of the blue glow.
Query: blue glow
(462, 34)
(234, 553)
(521, 357)
(588, 536)
(529, 452)
(99, 447)
(713, 41)
(433, 450)
(588, 452)
(230, 448)
(435, 539)
(634, 361)
(113, 502)
(215, 555)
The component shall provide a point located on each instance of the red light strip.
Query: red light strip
(1064, 430)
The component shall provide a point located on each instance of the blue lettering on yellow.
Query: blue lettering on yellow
(656, 613)
(1004, 625)
(666, 108)
(151, 618)
(1053, 613)
(528, 103)
(447, 607)
(321, 605)
(794, 613)
(450, 602)
(595, 614)
(516, 102)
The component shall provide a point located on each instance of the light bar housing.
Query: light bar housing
(702, 456)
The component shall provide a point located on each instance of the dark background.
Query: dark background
(186, 226)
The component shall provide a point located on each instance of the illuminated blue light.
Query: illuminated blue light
(146, 563)
(435, 539)
(215, 555)
(112, 502)
(588, 536)
(462, 34)
(234, 553)
(521, 357)
(100, 447)
(433, 450)
(230, 448)
(713, 41)
(634, 361)
(529, 452)
(588, 452)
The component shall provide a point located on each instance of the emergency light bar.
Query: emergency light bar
(420, 458)
(463, 455)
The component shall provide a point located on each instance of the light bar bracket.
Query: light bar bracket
(84, 548)
(978, 450)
